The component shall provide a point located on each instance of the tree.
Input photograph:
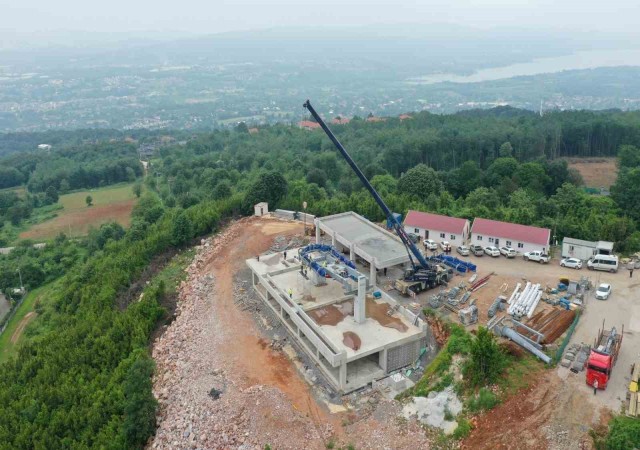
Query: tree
(137, 189)
(420, 181)
(182, 229)
(64, 186)
(222, 190)
(89, 200)
(487, 360)
(384, 184)
(270, 187)
(505, 150)
(51, 195)
(317, 176)
(140, 404)
(628, 156)
(626, 192)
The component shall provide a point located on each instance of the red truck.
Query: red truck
(603, 357)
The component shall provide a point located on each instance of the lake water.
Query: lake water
(579, 60)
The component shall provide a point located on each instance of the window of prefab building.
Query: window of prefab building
(508, 243)
(453, 237)
(520, 245)
(571, 248)
(416, 230)
(479, 238)
(490, 239)
(442, 235)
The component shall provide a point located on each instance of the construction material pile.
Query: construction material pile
(525, 302)
(552, 323)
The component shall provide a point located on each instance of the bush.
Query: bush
(463, 430)
(484, 401)
(487, 361)
(624, 433)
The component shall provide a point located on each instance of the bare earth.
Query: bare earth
(596, 172)
(80, 220)
(22, 325)
(263, 399)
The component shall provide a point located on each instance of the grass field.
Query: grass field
(10, 339)
(112, 203)
(596, 172)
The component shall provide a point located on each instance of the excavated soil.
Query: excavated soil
(351, 340)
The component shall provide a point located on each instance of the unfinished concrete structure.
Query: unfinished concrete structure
(352, 233)
(355, 332)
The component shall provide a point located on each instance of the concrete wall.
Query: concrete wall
(519, 246)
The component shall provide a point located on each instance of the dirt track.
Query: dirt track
(21, 326)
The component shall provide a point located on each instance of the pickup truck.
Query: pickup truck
(540, 257)
(477, 250)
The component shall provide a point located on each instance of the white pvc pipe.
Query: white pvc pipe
(534, 305)
(515, 291)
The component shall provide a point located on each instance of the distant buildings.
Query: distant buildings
(340, 121)
(45, 147)
(308, 125)
(146, 151)
(404, 117)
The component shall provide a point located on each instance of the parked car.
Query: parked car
(572, 263)
(492, 251)
(607, 263)
(538, 256)
(508, 252)
(477, 250)
(430, 245)
(414, 237)
(462, 250)
(445, 246)
(603, 292)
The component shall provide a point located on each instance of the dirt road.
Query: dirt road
(220, 384)
(21, 326)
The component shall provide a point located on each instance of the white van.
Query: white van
(608, 263)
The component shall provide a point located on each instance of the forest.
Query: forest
(82, 379)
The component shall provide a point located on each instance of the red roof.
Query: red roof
(341, 121)
(405, 116)
(429, 221)
(512, 231)
(308, 124)
(376, 119)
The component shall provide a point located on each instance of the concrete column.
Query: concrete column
(317, 232)
(333, 239)
(343, 376)
(352, 252)
(383, 360)
(359, 306)
(372, 273)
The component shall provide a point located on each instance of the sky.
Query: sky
(215, 16)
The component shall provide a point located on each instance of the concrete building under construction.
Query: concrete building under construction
(355, 332)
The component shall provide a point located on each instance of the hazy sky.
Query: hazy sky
(202, 16)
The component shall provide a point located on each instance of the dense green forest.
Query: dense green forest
(82, 379)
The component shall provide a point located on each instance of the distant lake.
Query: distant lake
(579, 60)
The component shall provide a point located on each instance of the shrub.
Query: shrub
(484, 401)
(463, 430)
(487, 361)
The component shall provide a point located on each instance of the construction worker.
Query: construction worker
(285, 254)
(385, 271)
(631, 272)
(290, 293)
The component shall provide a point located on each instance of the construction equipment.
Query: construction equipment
(422, 274)
(468, 316)
(633, 408)
(603, 357)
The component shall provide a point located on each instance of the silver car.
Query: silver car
(462, 250)
(603, 292)
(572, 263)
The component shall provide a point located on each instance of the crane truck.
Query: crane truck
(422, 274)
(603, 357)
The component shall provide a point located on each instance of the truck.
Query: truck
(537, 256)
(603, 357)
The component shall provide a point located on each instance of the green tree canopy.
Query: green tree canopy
(420, 181)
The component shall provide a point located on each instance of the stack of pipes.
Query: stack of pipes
(524, 302)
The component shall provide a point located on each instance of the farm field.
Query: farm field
(113, 203)
(596, 172)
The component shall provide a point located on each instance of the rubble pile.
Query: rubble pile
(202, 402)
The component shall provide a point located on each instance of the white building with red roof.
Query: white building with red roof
(522, 238)
(437, 227)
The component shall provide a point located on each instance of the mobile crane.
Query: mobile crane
(422, 274)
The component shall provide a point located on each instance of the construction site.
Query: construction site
(320, 333)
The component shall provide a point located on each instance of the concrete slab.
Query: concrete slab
(370, 240)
